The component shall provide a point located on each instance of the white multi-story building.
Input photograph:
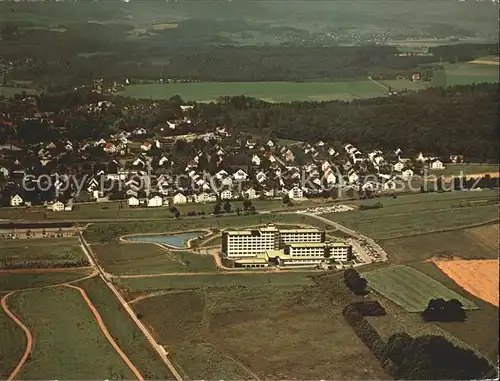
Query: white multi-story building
(301, 235)
(340, 251)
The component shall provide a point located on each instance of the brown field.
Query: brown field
(262, 332)
(477, 277)
(487, 235)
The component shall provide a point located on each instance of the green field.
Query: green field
(239, 332)
(12, 344)
(268, 91)
(10, 282)
(456, 243)
(147, 258)
(167, 282)
(41, 253)
(126, 334)
(466, 73)
(411, 289)
(67, 340)
(421, 213)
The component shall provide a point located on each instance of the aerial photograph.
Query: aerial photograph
(249, 190)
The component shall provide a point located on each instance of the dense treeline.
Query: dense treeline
(456, 120)
(422, 358)
(355, 282)
(444, 310)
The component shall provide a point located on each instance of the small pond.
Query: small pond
(175, 240)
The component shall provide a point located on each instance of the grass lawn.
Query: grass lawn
(166, 282)
(124, 331)
(41, 253)
(146, 258)
(10, 282)
(106, 232)
(456, 243)
(411, 289)
(68, 343)
(230, 333)
(12, 344)
(420, 214)
(268, 91)
(466, 169)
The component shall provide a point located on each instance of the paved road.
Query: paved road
(27, 332)
(106, 278)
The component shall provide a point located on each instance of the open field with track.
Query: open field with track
(409, 288)
(41, 253)
(422, 213)
(258, 331)
(68, 342)
(147, 258)
(18, 280)
(268, 91)
(477, 277)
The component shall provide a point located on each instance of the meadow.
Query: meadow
(41, 253)
(195, 281)
(8, 91)
(126, 334)
(68, 341)
(12, 345)
(466, 169)
(267, 91)
(421, 214)
(452, 244)
(410, 288)
(147, 258)
(258, 331)
(20, 281)
(466, 73)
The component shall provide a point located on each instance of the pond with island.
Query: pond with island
(178, 241)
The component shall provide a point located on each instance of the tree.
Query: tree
(238, 211)
(285, 200)
(227, 206)
(247, 204)
(217, 207)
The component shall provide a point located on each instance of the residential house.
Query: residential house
(226, 194)
(240, 175)
(109, 148)
(256, 160)
(251, 194)
(16, 200)
(205, 197)
(295, 193)
(270, 144)
(172, 125)
(437, 165)
(389, 185)
(146, 146)
(251, 144)
(139, 131)
(289, 156)
(407, 174)
(179, 198)
(155, 201)
(398, 167)
(456, 159)
(133, 201)
(57, 206)
(4, 171)
(162, 160)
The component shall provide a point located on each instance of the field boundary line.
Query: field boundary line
(160, 350)
(94, 273)
(104, 330)
(43, 270)
(29, 336)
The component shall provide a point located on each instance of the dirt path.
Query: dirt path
(106, 333)
(29, 336)
(270, 271)
(48, 270)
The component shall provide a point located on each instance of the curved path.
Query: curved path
(104, 330)
(27, 332)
